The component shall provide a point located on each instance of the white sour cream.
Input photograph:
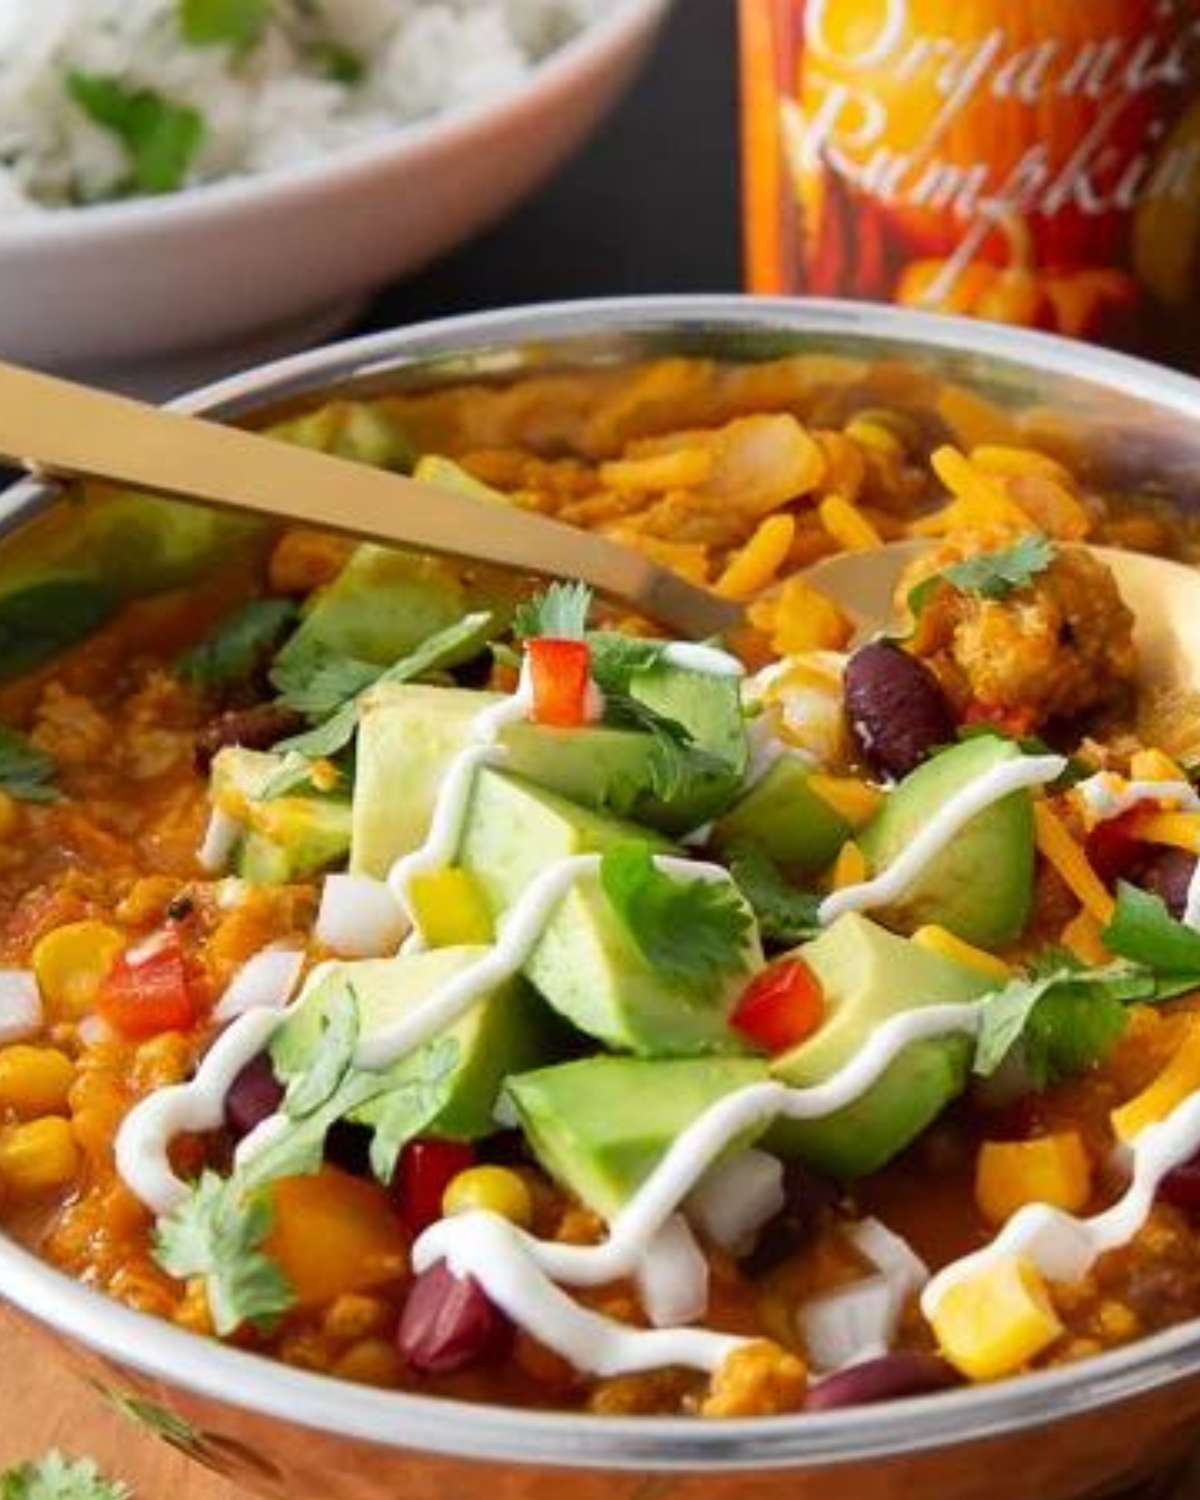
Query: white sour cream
(691, 657)
(1106, 797)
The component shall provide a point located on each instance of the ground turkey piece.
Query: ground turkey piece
(1058, 648)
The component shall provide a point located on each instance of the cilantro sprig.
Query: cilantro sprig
(560, 613)
(223, 23)
(161, 138)
(989, 575)
(786, 915)
(240, 644)
(692, 930)
(26, 772)
(55, 1477)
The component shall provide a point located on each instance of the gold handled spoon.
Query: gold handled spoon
(1163, 595)
(57, 428)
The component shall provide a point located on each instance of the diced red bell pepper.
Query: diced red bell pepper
(560, 672)
(425, 1170)
(147, 990)
(781, 1007)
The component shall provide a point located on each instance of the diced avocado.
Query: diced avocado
(359, 430)
(586, 964)
(980, 886)
(506, 1031)
(383, 604)
(434, 469)
(785, 818)
(286, 838)
(868, 975)
(600, 1126)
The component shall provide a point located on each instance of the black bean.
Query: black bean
(1166, 873)
(256, 728)
(253, 1097)
(896, 710)
(349, 1146)
(884, 1379)
(808, 1199)
(449, 1323)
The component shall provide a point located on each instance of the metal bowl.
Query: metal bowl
(1084, 1430)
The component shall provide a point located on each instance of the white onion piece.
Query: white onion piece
(850, 1324)
(359, 917)
(672, 1276)
(734, 1199)
(220, 840)
(20, 1005)
(94, 1031)
(264, 982)
(892, 1256)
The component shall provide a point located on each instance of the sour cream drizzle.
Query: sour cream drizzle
(689, 656)
(890, 884)
(1064, 1247)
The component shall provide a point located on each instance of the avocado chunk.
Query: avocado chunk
(868, 975)
(980, 886)
(506, 1031)
(383, 604)
(600, 1126)
(286, 838)
(586, 964)
(785, 818)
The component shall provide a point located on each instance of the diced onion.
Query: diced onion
(220, 840)
(265, 981)
(672, 1276)
(359, 917)
(20, 1005)
(94, 1030)
(891, 1255)
(736, 1198)
(850, 1324)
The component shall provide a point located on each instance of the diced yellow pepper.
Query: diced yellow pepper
(334, 1234)
(1054, 1169)
(70, 964)
(35, 1081)
(850, 867)
(449, 907)
(1068, 858)
(1180, 830)
(38, 1157)
(1153, 765)
(996, 1322)
(850, 798)
(937, 939)
(1177, 1082)
(847, 525)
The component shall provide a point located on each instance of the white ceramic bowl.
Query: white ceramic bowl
(160, 292)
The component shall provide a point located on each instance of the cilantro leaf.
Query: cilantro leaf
(616, 658)
(161, 138)
(785, 915)
(675, 763)
(41, 619)
(561, 613)
(691, 929)
(990, 575)
(1143, 930)
(54, 1477)
(25, 771)
(338, 730)
(331, 1060)
(232, 23)
(217, 1233)
(239, 644)
(316, 681)
(405, 1110)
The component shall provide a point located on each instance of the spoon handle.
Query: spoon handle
(55, 427)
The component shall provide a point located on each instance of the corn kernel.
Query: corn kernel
(1177, 1082)
(848, 527)
(491, 1189)
(449, 907)
(71, 962)
(1060, 849)
(38, 1157)
(996, 1322)
(935, 939)
(851, 799)
(1054, 1169)
(35, 1081)
(850, 867)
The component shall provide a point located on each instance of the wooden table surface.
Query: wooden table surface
(44, 1407)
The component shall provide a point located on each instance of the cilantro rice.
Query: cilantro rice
(104, 99)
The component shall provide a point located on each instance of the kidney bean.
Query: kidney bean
(256, 728)
(449, 1323)
(1181, 1187)
(895, 708)
(884, 1379)
(253, 1097)
(808, 1198)
(1166, 873)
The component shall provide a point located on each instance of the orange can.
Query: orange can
(1030, 161)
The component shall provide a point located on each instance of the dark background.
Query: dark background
(650, 205)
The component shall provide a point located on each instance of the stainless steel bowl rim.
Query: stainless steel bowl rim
(163, 1353)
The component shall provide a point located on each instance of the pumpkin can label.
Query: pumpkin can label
(1034, 162)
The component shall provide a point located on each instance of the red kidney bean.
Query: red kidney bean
(254, 1096)
(256, 728)
(895, 708)
(449, 1323)
(426, 1168)
(1166, 873)
(1181, 1187)
(884, 1379)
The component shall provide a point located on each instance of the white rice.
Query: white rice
(270, 106)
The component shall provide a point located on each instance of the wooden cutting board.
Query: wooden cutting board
(44, 1407)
